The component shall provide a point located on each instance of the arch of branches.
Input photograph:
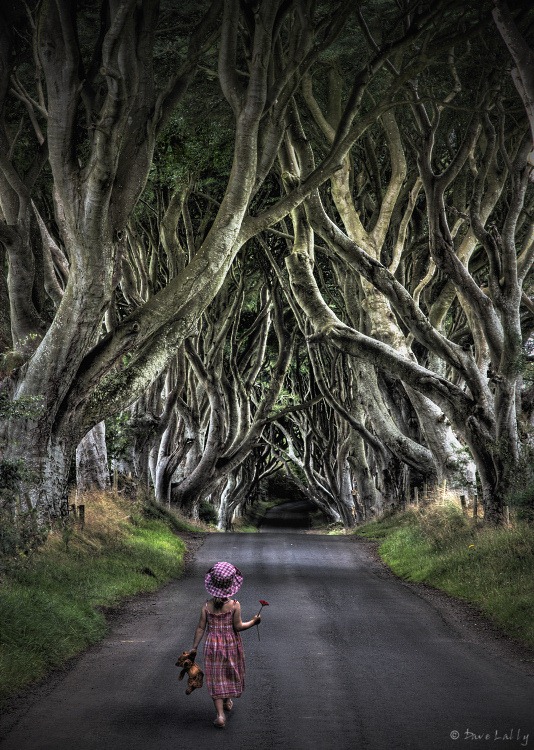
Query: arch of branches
(242, 238)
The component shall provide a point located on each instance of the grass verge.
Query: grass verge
(52, 602)
(491, 568)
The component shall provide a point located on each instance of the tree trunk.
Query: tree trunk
(45, 465)
(347, 503)
(366, 499)
(226, 507)
(80, 378)
(92, 470)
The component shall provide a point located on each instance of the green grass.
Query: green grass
(491, 568)
(51, 602)
(174, 518)
(244, 528)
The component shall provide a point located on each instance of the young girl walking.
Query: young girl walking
(224, 659)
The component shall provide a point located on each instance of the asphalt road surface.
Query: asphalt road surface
(349, 658)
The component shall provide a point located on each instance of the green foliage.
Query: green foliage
(20, 532)
(11, 473)
(28, 407)
(172, 517)
(254, 513)
(382, 528)
(243, 528)
(491, 568)
(207, 512)
(50, 602)
(118, 435)
(523, 502)
(194, 145)
(521, 494)
(285, 400)
(441, 523)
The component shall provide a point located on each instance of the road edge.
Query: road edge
(13, 710)
(465, 618)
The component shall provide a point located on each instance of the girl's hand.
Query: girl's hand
(257, 619)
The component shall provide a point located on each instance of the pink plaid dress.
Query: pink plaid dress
(224, 659)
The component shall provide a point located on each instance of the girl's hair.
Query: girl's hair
(219, 603)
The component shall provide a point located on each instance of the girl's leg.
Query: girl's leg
(220, 721)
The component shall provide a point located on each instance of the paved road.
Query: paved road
(348, 658)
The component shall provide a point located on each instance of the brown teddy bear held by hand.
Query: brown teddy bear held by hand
(195, 676)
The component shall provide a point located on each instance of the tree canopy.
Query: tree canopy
(249, 237)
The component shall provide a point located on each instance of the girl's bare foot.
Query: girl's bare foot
(220, 722)
(228, 704)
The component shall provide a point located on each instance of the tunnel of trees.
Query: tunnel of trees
(246, 238)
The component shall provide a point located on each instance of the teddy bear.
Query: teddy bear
(195, 676)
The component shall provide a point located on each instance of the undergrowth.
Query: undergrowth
(492, 568)
(52, 600)
(254, 514)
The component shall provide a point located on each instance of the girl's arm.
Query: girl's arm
(201, 627)
(239, 624)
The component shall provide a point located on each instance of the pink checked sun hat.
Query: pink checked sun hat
(223, 580)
